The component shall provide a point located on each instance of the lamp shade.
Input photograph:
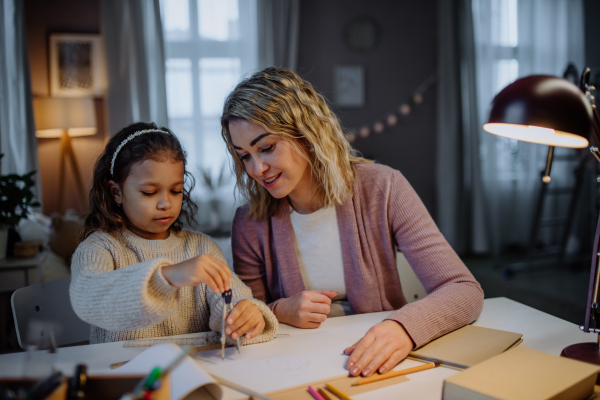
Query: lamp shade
(53, 116)
(542, 109)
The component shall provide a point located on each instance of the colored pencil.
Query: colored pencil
(323, 393)
(391, 374)
(337, 392)
(314, 393)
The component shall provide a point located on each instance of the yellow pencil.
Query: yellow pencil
(392, 374)
(337, 392)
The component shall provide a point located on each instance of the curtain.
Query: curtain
(460, 205)
(516, 38)
(135, 60)
(278, 23)
(17, 128)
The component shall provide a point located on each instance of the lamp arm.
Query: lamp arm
(546, 176)
(592, 316)
(591, 312)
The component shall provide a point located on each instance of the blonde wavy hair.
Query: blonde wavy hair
(284, 104)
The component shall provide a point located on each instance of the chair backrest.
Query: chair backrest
(411, 285)
(38, 308)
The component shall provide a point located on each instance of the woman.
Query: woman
(323, 224)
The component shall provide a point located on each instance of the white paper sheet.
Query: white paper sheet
(281, 363)
(185, 377)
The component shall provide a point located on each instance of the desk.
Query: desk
(25, 264)
(540, 331)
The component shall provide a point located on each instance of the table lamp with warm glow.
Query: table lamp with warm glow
(65, 118)
(553, 111)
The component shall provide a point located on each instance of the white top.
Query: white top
(319, 250)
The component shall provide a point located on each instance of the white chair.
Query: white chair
(37, 309)
(411, 285)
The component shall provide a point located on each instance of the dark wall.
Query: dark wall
(405, 57)
(592, 39)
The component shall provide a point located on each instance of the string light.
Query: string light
(392, 119)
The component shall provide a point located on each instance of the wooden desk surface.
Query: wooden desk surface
(540, 331)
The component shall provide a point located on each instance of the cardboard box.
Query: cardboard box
(523, 374)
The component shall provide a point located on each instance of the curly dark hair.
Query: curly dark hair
(104, 213)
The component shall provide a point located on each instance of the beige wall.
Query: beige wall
(43, 17)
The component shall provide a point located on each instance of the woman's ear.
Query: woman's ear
(115, 191)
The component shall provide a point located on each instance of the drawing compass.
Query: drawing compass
(227, 308)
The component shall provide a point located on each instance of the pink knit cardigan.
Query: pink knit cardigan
(384, 214)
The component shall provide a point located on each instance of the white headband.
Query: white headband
(124, 142)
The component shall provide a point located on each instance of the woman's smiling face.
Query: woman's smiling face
(272, 162)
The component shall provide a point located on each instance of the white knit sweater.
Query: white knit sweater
(117, 286)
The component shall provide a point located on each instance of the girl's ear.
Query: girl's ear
(115, 191)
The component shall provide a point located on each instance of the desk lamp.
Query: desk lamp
(553, 111)
(65, 118)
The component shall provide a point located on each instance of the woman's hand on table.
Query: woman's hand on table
(383, 346)
(245, 318)
(305, 309)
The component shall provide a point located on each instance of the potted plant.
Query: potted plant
(214, 186)
(16, 196)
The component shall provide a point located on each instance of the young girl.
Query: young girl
(137, 273)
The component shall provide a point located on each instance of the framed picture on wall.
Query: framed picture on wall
(76, 65)
(349, 85)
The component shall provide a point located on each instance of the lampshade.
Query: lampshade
(53, 116)
(542, 109)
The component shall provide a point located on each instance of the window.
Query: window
(209, 46)
(512, 39)
(505, 39)
(497, 38)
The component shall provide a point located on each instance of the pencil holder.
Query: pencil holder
(99, 387)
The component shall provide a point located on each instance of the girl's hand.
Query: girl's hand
(305, 309)
(201, 269)
(245, 318)
(384, 346)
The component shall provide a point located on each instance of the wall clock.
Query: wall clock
(362, 34)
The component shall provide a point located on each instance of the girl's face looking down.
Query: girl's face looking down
(274, 164)
(151, 197)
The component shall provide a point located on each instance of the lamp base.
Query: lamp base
(586, 352)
